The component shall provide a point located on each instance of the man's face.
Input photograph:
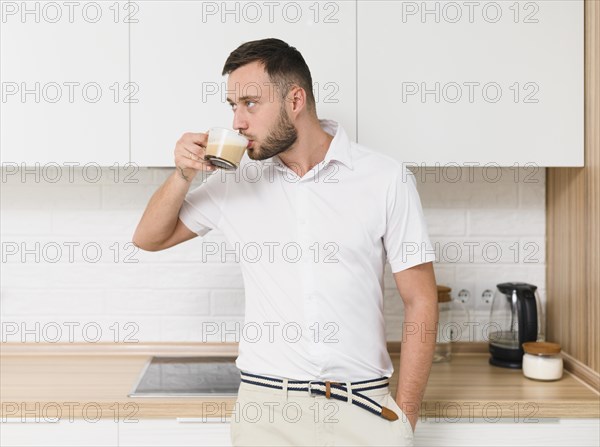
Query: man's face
(259, 112)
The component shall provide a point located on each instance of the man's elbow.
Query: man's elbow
(145, 246)
(422, 303)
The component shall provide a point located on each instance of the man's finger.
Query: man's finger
(198, 138)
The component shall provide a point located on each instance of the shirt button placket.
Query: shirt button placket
(305, 268)
(304, 232)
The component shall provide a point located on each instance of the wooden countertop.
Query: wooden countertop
(98, 383)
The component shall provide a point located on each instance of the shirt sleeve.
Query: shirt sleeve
(406, 239)
(202, 208)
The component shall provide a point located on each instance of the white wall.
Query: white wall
(165, 296)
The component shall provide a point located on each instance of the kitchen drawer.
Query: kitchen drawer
(507, 432)
(79, 432)
(179, 432)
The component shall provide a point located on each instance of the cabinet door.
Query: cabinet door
(64, 75)
(80, 433)
(178, 50)
(485, 82)
(530, 431)
(170, 432)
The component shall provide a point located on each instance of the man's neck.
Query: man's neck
(308, 151)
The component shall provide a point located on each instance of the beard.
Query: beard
(280, 138)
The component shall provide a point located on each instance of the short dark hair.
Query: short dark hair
(283, 63)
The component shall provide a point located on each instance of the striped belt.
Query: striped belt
(331, 390)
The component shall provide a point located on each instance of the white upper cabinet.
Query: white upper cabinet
(178, 50)
(434, 82)
(483, 82)
(64, 75)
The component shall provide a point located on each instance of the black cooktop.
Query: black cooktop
(188, 377)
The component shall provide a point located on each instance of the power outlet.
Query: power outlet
(464, 296)
(484, 297)
(487, 296)
(465, 293)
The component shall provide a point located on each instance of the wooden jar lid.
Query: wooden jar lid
(541, 348)
(443, 294)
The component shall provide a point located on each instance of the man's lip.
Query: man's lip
(250, 142)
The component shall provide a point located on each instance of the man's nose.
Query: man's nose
(239, 122)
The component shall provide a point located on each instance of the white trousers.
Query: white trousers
(267, 417)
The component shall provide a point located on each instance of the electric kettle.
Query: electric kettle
(516, 318)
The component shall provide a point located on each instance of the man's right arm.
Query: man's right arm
(160, 227)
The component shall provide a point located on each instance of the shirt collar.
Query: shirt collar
(339, 148)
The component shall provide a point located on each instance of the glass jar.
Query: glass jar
(443, 350)
(542, 361)
(449, 329)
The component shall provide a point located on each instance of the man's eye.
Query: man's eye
(250, 102)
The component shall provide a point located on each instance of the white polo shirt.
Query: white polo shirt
(312, 252)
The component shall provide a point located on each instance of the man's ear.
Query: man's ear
(297, 94)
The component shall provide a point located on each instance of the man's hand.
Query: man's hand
(412, 418)
(189, 155)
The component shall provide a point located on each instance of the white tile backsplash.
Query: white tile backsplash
(81, 275)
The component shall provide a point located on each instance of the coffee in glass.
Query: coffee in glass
(225, 147)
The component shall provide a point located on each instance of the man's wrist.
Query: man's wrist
(183, 175)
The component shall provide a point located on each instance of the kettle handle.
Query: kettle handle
(528, 321)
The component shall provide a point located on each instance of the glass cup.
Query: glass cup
(225, 148)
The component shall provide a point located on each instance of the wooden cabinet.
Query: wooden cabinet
(65, 91)
(479, 82)
(178, 50)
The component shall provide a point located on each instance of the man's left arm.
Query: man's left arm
(418, 289)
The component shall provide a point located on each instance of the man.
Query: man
(319, 370)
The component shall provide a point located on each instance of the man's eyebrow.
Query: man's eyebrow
(243, 98)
